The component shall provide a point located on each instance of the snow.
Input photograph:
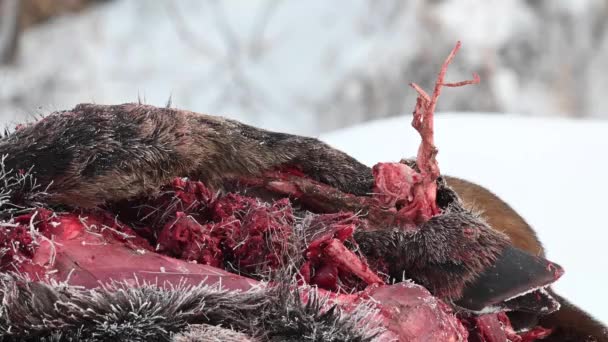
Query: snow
(222, 58)
(550, 170)
(312, 66)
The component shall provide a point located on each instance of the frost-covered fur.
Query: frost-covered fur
(35, 311)
(19, 191)
(211, 333)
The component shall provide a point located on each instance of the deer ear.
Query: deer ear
(513, 283)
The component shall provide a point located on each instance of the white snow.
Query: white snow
(311, 66)
(552, 171)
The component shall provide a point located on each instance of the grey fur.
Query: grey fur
(36, 311)
(211, 333)
(19, 192)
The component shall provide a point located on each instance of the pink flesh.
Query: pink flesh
(410, 193)
(88, 259)
(348, 261)
(103, 249)
(415, 315)
(401, 196)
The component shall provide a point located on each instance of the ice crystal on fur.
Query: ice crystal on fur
(151, 312)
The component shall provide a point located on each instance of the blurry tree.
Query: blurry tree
(9, 29)
(18, 15)
(309, 66)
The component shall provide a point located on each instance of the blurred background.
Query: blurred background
(303, 66)
(534, 131)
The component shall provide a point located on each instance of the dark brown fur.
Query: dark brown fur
(97, 153)
(498, 214)
(570, 323)
(446, 254)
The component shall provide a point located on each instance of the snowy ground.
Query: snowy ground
(552, 171)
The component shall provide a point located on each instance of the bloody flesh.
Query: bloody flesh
(194, 234)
